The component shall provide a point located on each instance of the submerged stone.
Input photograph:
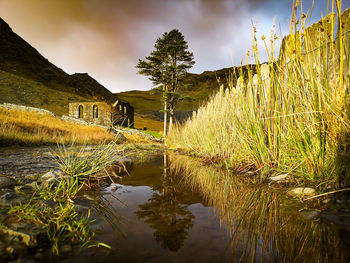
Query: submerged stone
(6, 182)
(66, 249)
(310, 214)
(301, 191)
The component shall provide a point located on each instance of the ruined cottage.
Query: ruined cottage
(120, 113)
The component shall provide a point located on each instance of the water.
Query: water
(188, 212)
(158, 219)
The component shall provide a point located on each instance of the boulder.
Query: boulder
(301, 192)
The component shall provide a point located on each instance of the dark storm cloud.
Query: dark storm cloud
(106, 37)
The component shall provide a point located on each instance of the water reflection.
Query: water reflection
(264, 227)
(169, 218)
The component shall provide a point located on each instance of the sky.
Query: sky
(105, 38)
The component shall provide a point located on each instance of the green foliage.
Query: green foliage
(166, 66)
(66, 190)
(87, 162)
(153, 133)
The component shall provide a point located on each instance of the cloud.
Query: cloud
(107, 37)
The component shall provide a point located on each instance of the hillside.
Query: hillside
(196, 90)
(28, 78)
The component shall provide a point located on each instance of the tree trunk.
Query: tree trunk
(171, 117)
(165, 110)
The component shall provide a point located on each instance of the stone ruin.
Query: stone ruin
(101, 113)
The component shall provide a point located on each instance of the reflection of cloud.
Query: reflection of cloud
(106, 38)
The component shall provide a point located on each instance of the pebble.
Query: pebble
(301, 192)
(279, 178)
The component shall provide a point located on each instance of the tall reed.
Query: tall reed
(290, 116)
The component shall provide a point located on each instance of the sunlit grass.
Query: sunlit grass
(28, 128)
(290, 117)
(149, 124)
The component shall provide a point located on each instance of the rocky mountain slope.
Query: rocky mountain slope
(27, 77)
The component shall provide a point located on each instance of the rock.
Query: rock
(279, 178)
(81, 210)
(89, 197)
(301, 192)
(12, 198)
(6, 182)
(28, 233)
(51, 175)
(66, 249)
(11, 106)
(16, 250)
(27, 189)
(326, 201)
(310, 214)
(2, 252)
(51, 178)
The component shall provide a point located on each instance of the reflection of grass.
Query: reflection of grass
(28, 128)
(264, 227)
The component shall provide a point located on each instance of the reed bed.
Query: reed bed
(290, 117)
(28, 128)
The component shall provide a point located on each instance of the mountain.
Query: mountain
(196, 89)
(24, 72)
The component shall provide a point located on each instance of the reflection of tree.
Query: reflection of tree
(170, 219)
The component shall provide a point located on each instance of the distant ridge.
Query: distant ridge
(196, 90)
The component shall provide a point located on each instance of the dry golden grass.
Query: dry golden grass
(149, 124)
(28, 128)
(134, 138)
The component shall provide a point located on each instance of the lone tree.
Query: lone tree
(166, 66)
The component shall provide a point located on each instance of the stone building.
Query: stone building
(102, 113)
(123, 114)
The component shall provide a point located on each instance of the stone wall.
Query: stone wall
(92, 112)
(10, 106)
